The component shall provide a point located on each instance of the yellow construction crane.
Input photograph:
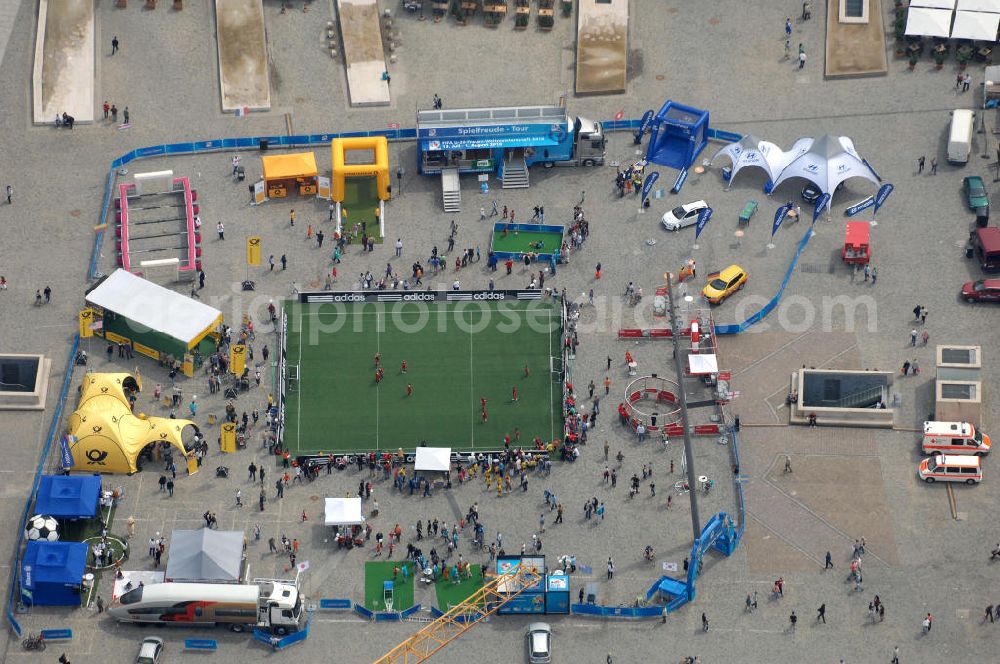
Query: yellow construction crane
(476, 608)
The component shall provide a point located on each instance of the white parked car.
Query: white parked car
(539, 643)
(683, 215)
(150, 650)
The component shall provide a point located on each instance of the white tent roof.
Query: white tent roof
(703, 364)
(829, 161)
(925, 22)
(751, 151)
(433, 458)
(980, 5)
(154, 306)
(981, 26)
(343, 512)
(937, 4)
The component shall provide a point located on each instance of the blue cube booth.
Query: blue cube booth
(52, 573)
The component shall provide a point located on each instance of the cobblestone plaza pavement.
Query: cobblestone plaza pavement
(724, 56)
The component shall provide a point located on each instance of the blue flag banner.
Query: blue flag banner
(679, 182)
(703, 218)
(64, 453)
(648, 184)
(647, 118)
(821, 204)
(863, 205)
(883, 193)
(779, 217)
(865, 162)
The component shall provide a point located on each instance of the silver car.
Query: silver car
(683, 215)
(150, 650)
(539, 643)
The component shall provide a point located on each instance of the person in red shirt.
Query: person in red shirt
(378, 375)
(485, 416)
(402, 367)
(514, 394)
(527, 371)
(378, 358)
(409, 389)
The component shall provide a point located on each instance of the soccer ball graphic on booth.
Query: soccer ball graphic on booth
(41, 527)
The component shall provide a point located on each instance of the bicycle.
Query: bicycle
(32, 642)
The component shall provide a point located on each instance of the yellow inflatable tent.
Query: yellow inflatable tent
(106, 437)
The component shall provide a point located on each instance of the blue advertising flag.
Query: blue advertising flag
(779, 217)
(883, 193)
(679, 182)
(65, 455)
(648, 184)
(703, 218)
(821, 203)
(863, 205)
(647, 118)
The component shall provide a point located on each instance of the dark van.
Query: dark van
(986, 242)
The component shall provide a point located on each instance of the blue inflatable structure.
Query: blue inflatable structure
(679, 135)
(720, 534)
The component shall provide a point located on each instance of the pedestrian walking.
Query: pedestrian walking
(966, 82)
(114, 44)
(704, 622)
(399, 247)
(925, 337)
(913, 337)
(829, 561)
(221, 230)
(597, 272)
(802, 59)
(100, 604)
(607, 385)
(989, 613)
(10, 194)
(933, 165)
(788, 464)
(125, 115)
(895, 655)
(920, 164)
(788, 26)
(821, 613)
(270, 262)
(874, 275)
(788, 49)
(239, 498)
(793, 620)
(170, 488)
(291, 217)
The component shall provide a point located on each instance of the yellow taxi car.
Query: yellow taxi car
(724, 283)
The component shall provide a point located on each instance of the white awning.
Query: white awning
(979, 6)
(703, 364)
(924, 22)
(433, 458)
(981, 26)
(343, 512)
(935, 4)
(153, 306)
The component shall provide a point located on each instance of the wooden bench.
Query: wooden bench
(203, 645)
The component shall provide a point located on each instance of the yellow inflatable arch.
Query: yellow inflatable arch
(380, 168)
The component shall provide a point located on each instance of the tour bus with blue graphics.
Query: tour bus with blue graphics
(509, 138)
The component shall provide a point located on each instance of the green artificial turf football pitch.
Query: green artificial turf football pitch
(456, 354)
(526, 242)
(360, 204)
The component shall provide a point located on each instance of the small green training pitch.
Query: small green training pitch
(377, 572)
(456, 353)
(451, 594)
(527, 242)
(360, 204)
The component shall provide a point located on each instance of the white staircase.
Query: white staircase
(451, 191)
(515, 173)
